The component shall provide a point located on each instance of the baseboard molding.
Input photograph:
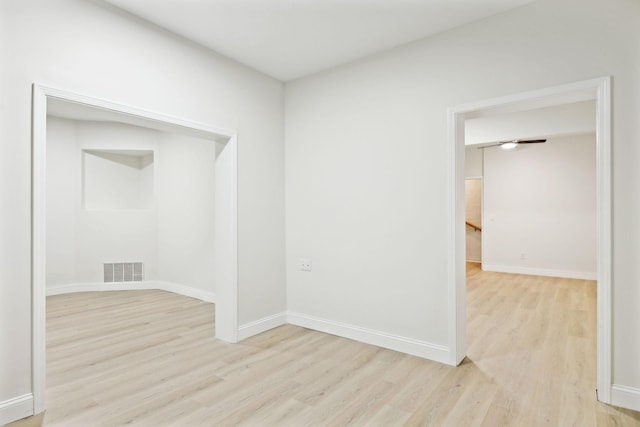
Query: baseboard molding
(16, 409)
(625, 397)
(531, 271)
(99, 287)
(438, 353)
(187, 291)
(132, 286)
(261, 325)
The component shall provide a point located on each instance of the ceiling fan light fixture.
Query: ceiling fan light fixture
(509, 145)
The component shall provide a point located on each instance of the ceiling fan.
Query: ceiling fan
(510, 145)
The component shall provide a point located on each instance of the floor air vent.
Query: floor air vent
(124, 272)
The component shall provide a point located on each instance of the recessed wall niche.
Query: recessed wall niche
(117, 179)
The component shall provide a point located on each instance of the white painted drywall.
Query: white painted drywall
(117, 180)
(105, 232)
(366, 163)
(113, 233)
(473, 162)
(561, 120)
(185, 211)
(63, 189)
(172, 234)
(540, 208)
(96, 50)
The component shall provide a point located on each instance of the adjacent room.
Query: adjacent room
(127, 206)
(277, 213)
(531, 263)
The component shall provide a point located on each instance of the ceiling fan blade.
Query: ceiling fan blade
(532, 141)
(524, 141)
(492, 145)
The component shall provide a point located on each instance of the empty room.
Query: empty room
(304, 263)
(531, 263)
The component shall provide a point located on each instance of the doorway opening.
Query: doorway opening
(597, 90)
(98, 161)
(473, 218)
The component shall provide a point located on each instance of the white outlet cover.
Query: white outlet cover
(305, 264)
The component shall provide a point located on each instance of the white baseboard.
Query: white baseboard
(438, 353)
(261, 325)
(99, 287)
(625, 397)
(531, 271)
(176, 288)
(188, 291)
(16, 409)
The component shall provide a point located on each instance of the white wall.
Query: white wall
(117, 180)
(92, 49)
(63, 189)
(172, 235)
(540, 208)
(473, 162)
(99, 235)
(112, 235)
(366, 163)
(185, 211)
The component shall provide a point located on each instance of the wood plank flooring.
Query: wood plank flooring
(148, 358)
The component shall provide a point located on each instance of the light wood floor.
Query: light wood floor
(149, 358)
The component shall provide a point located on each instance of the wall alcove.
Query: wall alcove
(121, 179)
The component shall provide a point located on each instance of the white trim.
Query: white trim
(578, 88)
(38, 248)
(625, 397)
(604, 238)
(71, 288)
(16, 409)
(261, 325)
(64, 95)
(598, 89)
(225, 242)
(533, 271)
(187, 291)
(415, 347)
(456, 239)
(176, 288)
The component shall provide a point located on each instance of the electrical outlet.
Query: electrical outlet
(305, 264)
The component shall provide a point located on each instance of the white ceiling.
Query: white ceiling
(287, 39)
(578, 118)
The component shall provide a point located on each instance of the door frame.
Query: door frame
(598, 89)
(225, 219)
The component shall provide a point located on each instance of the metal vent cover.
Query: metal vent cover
(123, 272)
